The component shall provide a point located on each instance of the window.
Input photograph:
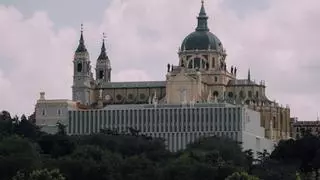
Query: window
(213, 61)
(216, 93)
(230, 94)
(43, 112)
(241, 94)
(215, 79)
(59, 112)
(197, 63)
(250, 94)
(130, 96)
(142, 96)
(101, 74)
(79, 67)
(257, 94)
(119, 97)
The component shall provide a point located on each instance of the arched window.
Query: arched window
(190, 65)
(213, 61)
(101, 74)
(274, 122)
(216, 93)
(79, 67)
(197, 63)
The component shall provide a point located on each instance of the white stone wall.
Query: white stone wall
(50, 112)
(252, 122)
(178, 125)
(256, 143)
(253, 134)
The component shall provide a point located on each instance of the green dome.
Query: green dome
(201, 40)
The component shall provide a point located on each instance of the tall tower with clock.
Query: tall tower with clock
(82, 75)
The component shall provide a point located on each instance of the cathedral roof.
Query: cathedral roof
(240, 82)
(140, 84)
(202, 38)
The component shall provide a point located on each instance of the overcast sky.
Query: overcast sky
(277, 39)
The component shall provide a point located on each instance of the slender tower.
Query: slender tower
(103, 66)
(82, 75)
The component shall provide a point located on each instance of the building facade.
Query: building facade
(300, 128)
(179, 125)
(49, 112)
(201, 76)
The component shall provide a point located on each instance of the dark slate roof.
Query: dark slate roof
(242, 82)
(202, 38)
(81, 46)
(139, 84)
(103, 54)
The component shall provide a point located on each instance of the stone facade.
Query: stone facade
(298, 128)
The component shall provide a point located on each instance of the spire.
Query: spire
(249, 75)
(81, 46)
(103, 53)
(202, 19)
(202, 10)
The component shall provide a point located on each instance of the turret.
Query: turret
(103, 66)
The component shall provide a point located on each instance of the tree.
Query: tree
(26, 128)
(298, 176)
(5, 115)
(43, 174)
(262, 156)
(61, 129)
(17, 153)
(241, 176)
(250, 159)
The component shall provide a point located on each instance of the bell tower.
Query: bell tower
(82, 75)
(103, 66)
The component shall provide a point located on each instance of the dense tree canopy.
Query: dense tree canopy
(28, 153)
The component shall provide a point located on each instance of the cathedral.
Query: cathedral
(199, 96)
(200, 75)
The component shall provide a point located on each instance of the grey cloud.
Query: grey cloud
(278, 43)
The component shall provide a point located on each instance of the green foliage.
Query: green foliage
(17, 153)
(43, 174)
(61, 129)
(28, 153)
(241, 176)
(298, 176)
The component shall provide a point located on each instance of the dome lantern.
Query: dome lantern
(202, 38)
